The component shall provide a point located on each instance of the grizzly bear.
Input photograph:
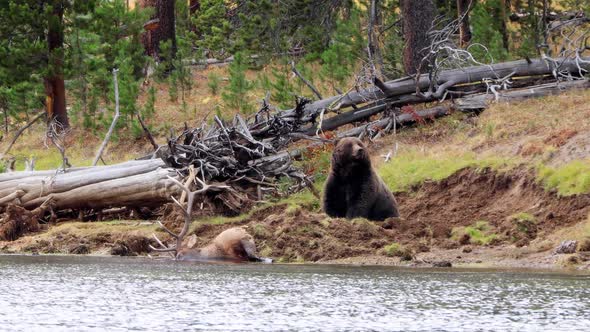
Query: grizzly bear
(353, 189)
(234, 244)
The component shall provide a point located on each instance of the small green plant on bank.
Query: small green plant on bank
(523, 221)
(570, 179)
(397, 250)
(479, 233)
(213, 82)
(524, 225)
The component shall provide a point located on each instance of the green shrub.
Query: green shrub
(213, 81)
(397, 250)
(479, 233)
(570, 179)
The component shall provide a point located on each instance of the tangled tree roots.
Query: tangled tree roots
(16, 222)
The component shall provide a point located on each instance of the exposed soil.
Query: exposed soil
(84, 238)
(469, 196)
(429, 215)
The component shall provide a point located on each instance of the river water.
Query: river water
(83, 293)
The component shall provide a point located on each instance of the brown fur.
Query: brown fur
(234, 244)
(353, 188)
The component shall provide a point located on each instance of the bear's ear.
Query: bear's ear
(336, 140)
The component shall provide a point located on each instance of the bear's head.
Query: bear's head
(349, 154)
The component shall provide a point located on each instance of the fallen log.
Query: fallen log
(379, 106)
(481, 101)
(474, 103)
(445, 80)
(131, 184)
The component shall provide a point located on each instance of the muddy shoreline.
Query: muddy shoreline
(368, 262)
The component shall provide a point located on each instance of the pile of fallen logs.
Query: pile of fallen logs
(244, 160)
(471, 88)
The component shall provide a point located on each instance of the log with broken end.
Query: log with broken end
(130, 184)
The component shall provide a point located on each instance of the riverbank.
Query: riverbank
(503, 189)
(474, 218)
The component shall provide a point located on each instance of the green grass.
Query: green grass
(46, 159)
(523, 221)
(397, 250)
(570, 179)
(479, 233)
(409, 169)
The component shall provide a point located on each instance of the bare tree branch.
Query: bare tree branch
(113, 124)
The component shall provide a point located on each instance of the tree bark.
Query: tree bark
(166, 30)
(55, 89)
(131, 184)
(418, 16)
(445, 80)
(194, 5)
(504, 9)
(463, 9)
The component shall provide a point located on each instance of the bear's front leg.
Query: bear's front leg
(358, 209)
(334, 199)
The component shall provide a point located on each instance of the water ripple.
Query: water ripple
(53, 293)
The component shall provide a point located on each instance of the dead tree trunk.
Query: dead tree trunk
(55, 89)
(418, 16)
(131, 184)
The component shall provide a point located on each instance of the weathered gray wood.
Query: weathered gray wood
(113, 124)
(9, 181)
(134, 191)
(481, 101)
(476, 101)
(134, 183)
(446, 79)
(402, 119)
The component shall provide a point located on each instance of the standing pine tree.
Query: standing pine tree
(235, 94)
(486, 32)
(418, 17)
(32, 51)
(164, 27)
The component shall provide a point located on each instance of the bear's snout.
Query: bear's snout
(358, 152)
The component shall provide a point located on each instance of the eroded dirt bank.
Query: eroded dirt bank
(473, 218)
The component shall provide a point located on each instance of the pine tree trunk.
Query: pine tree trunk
(166, 30)
(463, 9)
(505, 8)
(55, 89)
(194, 5)
(418, 16)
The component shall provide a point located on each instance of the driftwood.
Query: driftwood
(474, 103)
(227, 152)
(481, 101)
(186, 210)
